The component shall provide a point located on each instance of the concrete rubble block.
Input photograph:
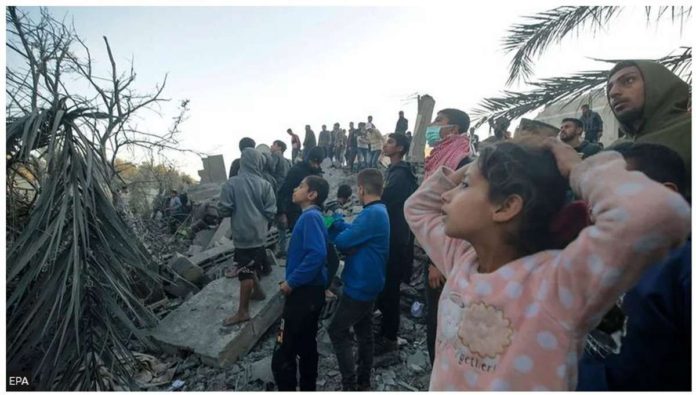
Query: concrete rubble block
(193, 250)
(184, 267)
(417, 361)
(203, 237)
(261, 370)
(220, 233)
(220, 253)
(196, 325)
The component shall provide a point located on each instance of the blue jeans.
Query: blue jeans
(374, 158)
(363, 153)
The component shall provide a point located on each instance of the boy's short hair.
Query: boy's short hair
(316, 155)
(344, 191)
(372, 180)
(281, 144)
(401, 141)
(320, 186)
(659, 163)
(246, 142)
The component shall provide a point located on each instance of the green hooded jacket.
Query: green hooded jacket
(666, 120)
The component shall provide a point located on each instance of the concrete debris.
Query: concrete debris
(184, 267)
(203, 238)
(197, 324)
(261, 370)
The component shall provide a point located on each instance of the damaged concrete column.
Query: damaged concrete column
(426, 106)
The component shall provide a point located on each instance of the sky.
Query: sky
(256, 71)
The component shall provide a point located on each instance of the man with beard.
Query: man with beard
(571, 131)
(651, 104)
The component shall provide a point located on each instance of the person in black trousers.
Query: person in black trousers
(306, 276)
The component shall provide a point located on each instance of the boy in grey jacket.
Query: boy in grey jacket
(248, 199)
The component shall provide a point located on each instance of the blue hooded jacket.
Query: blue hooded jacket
(306, 263)
(655, 354)
(366, 244)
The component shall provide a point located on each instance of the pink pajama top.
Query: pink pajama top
(523, 326)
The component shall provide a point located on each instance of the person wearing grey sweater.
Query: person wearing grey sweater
(248, 199)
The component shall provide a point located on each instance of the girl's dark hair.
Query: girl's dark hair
(530, 172)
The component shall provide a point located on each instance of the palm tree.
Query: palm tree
(528, 41)
(77, 275)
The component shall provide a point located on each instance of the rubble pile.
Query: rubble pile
(199, 254)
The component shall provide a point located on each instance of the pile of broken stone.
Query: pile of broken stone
(194, 352)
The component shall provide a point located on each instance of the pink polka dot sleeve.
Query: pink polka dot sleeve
(637, 222)
(423, 212)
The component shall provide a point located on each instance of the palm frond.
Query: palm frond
(547, 91)
(529, 40)
(71, 308)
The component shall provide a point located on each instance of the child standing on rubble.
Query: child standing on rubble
(516, 306)
(248, 199)
(365, 243)
(305, 281)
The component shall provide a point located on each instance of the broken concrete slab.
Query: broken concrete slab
(183, 266)
(197, 324)
(220, 233)
(213, 255)
(203, 237)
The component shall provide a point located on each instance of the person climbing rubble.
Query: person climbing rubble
(249, 201)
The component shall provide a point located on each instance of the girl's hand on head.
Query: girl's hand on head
(566, 156)
(457, 176)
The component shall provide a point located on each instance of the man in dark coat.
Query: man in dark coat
(289, 212)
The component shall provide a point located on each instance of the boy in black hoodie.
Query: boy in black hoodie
(400, 182)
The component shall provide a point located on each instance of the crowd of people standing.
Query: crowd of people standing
(543, 248)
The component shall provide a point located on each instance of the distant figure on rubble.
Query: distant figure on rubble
(280, 165)
(310, 141)
(352, 146)
(245, 142)
(296, 145)
(592, 123)
(369, 125)
(324, 140)
(306, 277)
(340, 142)
(249, 201)
(376, 141)
(401, 124)
(174, 210)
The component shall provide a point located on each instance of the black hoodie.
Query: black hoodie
(399, 183)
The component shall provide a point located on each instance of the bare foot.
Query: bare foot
(235, 319)
(258, 294)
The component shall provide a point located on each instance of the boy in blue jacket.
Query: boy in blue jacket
(366, 245)
(305, 281)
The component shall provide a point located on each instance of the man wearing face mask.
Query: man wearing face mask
(451, 147)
